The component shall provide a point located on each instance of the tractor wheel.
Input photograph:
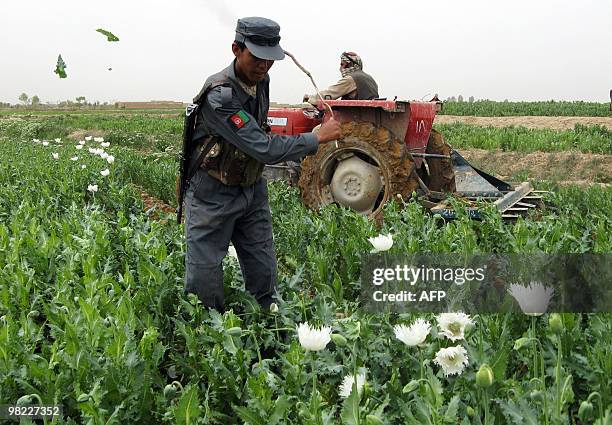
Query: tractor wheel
(440, 176)
(362, 170)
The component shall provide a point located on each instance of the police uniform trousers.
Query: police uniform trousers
(216, 214)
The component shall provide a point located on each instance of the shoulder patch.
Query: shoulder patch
(239, 119)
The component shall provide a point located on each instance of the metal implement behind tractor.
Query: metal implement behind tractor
(388, 148)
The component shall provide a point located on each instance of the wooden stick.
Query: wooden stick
(305, 71)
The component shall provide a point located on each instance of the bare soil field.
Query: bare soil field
(563, 167)
(554, 123)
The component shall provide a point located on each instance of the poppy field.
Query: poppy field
(93, 317)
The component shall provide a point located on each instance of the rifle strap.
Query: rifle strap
(194, 167)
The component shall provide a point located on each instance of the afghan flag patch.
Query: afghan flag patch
(239, 119)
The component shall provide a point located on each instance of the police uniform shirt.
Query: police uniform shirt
(232, 113)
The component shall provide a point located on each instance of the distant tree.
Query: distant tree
(24, 98)
(35, 100)
(471, 99)
(80, 100)
(459, 98)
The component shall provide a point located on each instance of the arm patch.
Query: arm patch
(239, 119)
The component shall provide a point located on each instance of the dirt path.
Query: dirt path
(554, 123)
(150, 202)
(574, 167)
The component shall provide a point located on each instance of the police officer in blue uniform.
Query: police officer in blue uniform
(227, 198)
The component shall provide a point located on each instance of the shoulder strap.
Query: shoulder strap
(208, 87)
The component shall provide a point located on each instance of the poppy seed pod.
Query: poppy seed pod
(338, 339)
(556, 323)
(484, 376)
(585, 411)
(169, 392)
(236, 330)
(373, 420)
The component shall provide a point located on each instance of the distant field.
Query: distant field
(479, 108)
(488, 108)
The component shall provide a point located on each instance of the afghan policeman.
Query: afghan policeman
(227, 197)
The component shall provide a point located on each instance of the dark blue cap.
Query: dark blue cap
(261, 36)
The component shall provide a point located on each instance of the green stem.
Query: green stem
(257, 348)
(353, 351)
(543, 382)
(486, 405)
(593, 395)
(421, 362)
(276, 324)
(558, 374)
(480, 328)
(535, 349)
(314, 376)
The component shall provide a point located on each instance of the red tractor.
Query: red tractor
(388, 148)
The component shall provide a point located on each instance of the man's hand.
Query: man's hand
(329, 131)
(305, 98)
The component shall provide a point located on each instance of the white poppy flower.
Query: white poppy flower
(452, 325)
(92, 188)
(532, 299)
(92, 151)
(105, 144)
(105, 172)
(88, 138)
(58, 140)
(347, 384)
(110, 159)
(45, 143)
(381, 243)
(98, 139)
(36, 140)
(273, 308)
(231, 251)
(81, 142)
(55, 155)
(103, 155)
(83, 166)
(74, 158)
(414, 334)
(79, 146)
(453, 360)
(313, 339)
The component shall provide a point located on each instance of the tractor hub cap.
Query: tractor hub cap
(352, 186)
(356, 184)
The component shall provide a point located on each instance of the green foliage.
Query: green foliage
(489, 108)
(594, 139)
(92, 314)
(109, 35)
(60, 67)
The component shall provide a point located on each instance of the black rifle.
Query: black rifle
(190, 164)
(191, 112)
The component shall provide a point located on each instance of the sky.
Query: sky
(490, 49)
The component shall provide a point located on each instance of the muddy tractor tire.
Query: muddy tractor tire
(440, 176)
(366, 167)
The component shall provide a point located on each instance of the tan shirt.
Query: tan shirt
(252, 90)
(345, 87)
